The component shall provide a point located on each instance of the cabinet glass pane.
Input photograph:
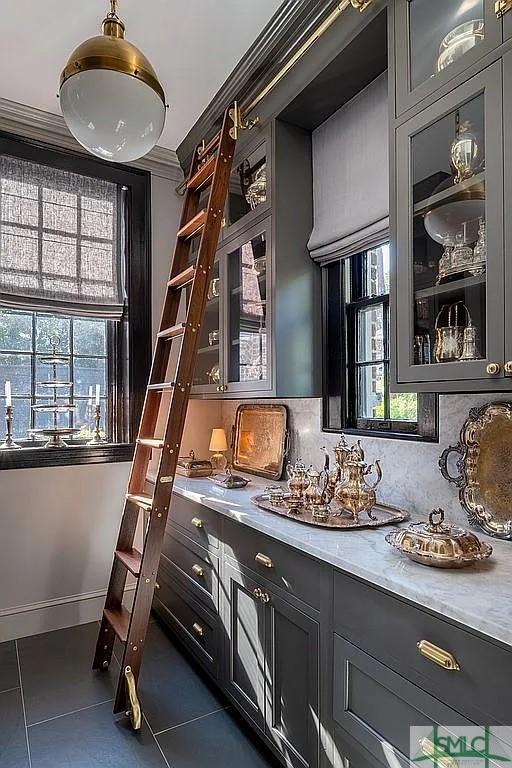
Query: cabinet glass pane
(207, 369)
(247, 311)
(449, 238)
(248, 185)
(441, 31)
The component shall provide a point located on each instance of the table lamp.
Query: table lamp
(218, 444)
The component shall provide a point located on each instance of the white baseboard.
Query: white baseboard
(63, 612)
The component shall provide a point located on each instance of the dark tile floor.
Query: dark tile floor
(56, 713)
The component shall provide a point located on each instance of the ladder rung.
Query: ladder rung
(194, 226)
(141, 499)
(184, 278)
(150, 442)
(119, 620)
(131, 559)
(176, 330)
(204, 174)
(161, 387)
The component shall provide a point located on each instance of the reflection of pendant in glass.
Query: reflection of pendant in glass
(480, 250)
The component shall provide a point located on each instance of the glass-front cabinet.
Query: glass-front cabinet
(437, 40)
(449, 301)
(249, 188)
(209, 371)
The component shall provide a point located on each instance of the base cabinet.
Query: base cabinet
(331, 677)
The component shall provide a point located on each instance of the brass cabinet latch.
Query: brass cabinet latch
(501, 7)
(361, 5)
(264, 560)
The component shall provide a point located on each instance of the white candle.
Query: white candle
(97, 394)
(90, 395)
(8, 398)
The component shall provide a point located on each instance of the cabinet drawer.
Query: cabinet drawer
(390, 630)
(195, 565)
(297, 574)
(377, 707)
(193, 623)
(200, 523)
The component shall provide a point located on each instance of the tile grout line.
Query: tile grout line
(8, 690)
(22, 695)
(66, 714)
(156, 741)
(193, 720)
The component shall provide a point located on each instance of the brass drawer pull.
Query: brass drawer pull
(197, 570)
(439, 656)
(264, 560)
(259, 594)
(508, 366)
(493, 369)
(197, 522)
(430, 750)
(198, 629)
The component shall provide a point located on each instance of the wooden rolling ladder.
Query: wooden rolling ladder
(211, 167)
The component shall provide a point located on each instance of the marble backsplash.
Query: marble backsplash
(411, 476)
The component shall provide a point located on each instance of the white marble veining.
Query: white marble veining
(478, 597)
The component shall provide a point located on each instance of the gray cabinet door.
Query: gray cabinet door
(427, 194)
(507, 24)
(425, 58)
(292, 692)
(244, 621)
(507, 138)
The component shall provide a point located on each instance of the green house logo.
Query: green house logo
(461, 747)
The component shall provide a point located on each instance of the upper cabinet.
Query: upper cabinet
(437, 40)
(249, 193)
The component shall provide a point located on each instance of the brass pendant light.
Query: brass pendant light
(110, 95)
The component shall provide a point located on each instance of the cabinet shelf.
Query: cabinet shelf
(447, 289)
(454, 191)
(212, 348)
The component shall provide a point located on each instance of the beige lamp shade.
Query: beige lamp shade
(218, 440)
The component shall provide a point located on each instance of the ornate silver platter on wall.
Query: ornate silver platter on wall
(484, 467)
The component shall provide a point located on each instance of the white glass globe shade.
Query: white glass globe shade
(444, 223)
(113, 115)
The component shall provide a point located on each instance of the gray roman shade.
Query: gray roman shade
(350, 176)
(60, 247)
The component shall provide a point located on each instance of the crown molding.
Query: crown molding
(38, 125)
(287, 29)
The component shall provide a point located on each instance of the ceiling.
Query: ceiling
(192, 44)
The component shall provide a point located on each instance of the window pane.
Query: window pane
(52, 328)
(376, 271)
(45, 418)
(84, 418)
(370, 392)
(87, 372)
(15, 331)
(17, 370)
(403, 406)
(370, 335)
(21, 414)
(89, 337)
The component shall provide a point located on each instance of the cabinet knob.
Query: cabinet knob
(438, 655)
(198, 629)
(219, 388)
(264, 560)
(493, 369)
(196, 522)
(508, 366)
(259, 594)
(197, 570)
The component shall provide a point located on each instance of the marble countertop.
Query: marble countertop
(478, 597)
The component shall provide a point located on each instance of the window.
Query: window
(74, 283)
(357, 359)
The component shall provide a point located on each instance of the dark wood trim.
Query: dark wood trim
(32, 458)
(134, 341)
(285, 32)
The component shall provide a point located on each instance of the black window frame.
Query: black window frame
(129, 349)
(342, 278)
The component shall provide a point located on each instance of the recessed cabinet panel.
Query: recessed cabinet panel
(449, 237)
(437, 40)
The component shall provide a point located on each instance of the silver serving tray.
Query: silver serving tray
(383, 514)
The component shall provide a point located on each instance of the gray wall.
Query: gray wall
(411, 476)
